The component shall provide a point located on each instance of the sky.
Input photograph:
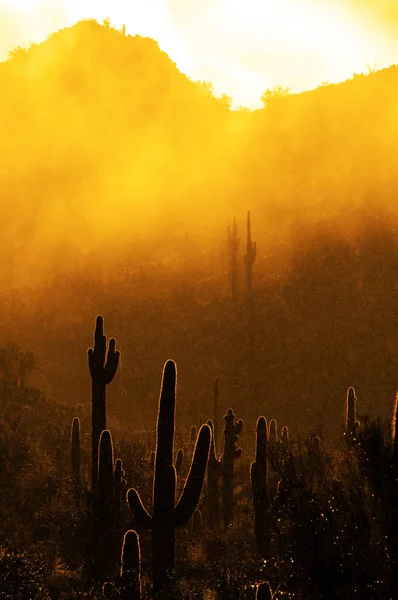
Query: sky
(242, 46)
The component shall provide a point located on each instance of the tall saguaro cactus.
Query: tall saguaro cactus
(258, 474)
(166, 514)
(230, 454)
(103, 366)
(233, 247)
(250, 256)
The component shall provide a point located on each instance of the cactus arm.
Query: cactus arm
(193, 485)
(112, 361)
(139, 511)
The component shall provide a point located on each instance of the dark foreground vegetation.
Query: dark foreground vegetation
(185, 512)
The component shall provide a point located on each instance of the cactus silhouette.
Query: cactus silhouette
(193, 434)
(258, 474)
(179, 461)
(263, 592)
(166, 514)
(75, 451)
(104, 524)
(130, 571)
(250, 256)
(213, 479)
(197, 521)
(233, 247)
(230, 454)
(103, 366)
(351, 424)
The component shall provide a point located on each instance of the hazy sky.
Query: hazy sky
(242, 46)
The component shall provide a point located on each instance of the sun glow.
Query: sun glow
(243, 47)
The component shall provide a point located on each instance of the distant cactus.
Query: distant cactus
(250, 256)
(231, 453)
(75, 458)
(130, 572)
(193, 434)
(75, 449)
(233, 247)
(351, 424)
(213, 479)
(166, 514)
(179, 461)
(258, 473)
(273, 432)
(285, 437)
(197, 521)
(103, 366)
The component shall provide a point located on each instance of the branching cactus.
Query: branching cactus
(103, 366)
(166, 514)
(258, 473)
(250, 256)
(231, 453)
(213, 480)
(351, 424)
(75, 452)
(130, 571)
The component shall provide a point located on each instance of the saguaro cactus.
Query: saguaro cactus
(106, 481)
(213, 478)
(351, 424)
(233, 247)
(130, 571)
(104, 521)
(264, 592)
(75, 451)
(103, 366)
(231, 453)
(258, 474)
(250, 256)
(167, 515)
